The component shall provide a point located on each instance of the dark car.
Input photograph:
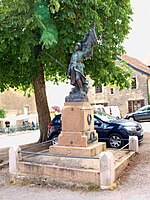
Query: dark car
(115, 132)
(142, 114)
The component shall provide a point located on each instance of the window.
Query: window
(57, 119)
(99, 104)
(135, 105)
(26, 110)
(98, 89)
(133, 83)
(97, 122)
(111, 90)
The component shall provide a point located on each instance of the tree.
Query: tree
(36, 32)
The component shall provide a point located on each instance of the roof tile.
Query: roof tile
(136, 63)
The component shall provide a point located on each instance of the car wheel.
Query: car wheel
(131, 118)
(115, 141)
(54, 139)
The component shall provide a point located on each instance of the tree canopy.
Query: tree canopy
(34, 33)
(32, 28)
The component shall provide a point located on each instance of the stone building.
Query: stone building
(128, 100)
(15, 103)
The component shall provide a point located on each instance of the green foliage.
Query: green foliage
(2, 113)
(45, 23)
(54, 6)
(30, 31)
(148, 98)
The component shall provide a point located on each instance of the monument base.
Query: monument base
(91, 150)
(78, 137)
(77, 125)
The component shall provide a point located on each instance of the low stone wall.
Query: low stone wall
(4, 157)
(35, 147)
(101, 170)
(68, 172)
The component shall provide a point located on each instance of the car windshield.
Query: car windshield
(144, 108)
(103, 116)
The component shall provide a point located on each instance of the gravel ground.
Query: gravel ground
(133, 185)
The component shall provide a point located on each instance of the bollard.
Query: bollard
(133, 144)
(13, 159)
(107, 170)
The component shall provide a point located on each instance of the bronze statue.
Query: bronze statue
(76, 67)
(83, 50)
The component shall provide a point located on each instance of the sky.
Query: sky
(138, 43)
(56, 93)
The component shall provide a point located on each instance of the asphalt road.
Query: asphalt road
(146, 126)
(19, 138)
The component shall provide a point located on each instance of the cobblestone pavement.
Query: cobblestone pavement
(133, 185)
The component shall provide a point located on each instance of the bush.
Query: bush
(2, 113)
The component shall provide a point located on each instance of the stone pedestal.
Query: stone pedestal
(78, 136)
(77, 125)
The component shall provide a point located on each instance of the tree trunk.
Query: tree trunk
(41, 104)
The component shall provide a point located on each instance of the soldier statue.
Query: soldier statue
(82, 51)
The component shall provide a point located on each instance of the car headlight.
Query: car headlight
(131, 128)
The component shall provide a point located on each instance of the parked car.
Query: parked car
(99, 108)
(113, 110)
(142, 114)
(115, 132)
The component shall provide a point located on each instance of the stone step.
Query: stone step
(91, 150)
(51, 173)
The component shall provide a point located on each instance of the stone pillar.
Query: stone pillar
(133, 144)
(13, 159)
(107, 170)
(77, 125)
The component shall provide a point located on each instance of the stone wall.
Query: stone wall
(14, 102)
